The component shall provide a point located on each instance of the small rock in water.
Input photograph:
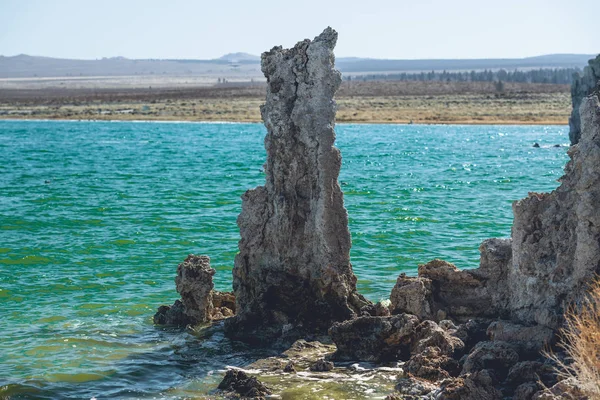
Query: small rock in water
(322, 366)
(289, 368)
(239, 382)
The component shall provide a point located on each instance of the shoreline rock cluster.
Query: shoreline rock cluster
(457, 334)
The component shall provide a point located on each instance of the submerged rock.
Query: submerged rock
(292, 274)
(582, 86)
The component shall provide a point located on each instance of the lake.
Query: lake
(95, 217)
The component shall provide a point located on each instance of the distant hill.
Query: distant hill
(243, 65)
(362, 65)
(237, 57)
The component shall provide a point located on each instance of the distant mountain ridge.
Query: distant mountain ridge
(248, 66)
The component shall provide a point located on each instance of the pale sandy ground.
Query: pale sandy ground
(159, 98)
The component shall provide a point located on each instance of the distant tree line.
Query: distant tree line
(542, 75)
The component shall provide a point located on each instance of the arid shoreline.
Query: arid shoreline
(378, 102)
(386, 122)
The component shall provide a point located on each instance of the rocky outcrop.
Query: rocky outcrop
(476, 386)
(293, 273)
(556, 236)
(199, 302)
(519, 292)
(443, 291)
(582, 86)
(374, 338)
(554, 253)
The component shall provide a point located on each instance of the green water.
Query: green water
(95, 217)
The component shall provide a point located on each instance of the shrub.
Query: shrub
(581, 341)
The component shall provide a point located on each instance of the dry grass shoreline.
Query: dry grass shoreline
(472, 103)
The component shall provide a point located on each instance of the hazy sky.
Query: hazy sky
(379, 29)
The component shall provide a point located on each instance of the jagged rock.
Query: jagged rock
(194, 283)
(293, 272)
(582, 86)
(525, 391)
(568, 389)
(448, 325)
(479, 385)
(374, 338)
(496, 356)
(526, 338)
(414, 387)
(432, 364)
(223, 305)
(239, 382)
(321, 366)
(172, 315)
(378, 309)
(430, 334)
(531, 371)
(412, 295)
(199, 302)
(472, 332)
(443, 291)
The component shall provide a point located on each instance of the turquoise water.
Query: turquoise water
(95, 217)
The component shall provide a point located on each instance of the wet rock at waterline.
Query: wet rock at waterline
(292, 274)
(239, 383)
(199, 302)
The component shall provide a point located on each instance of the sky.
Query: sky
(205, 29)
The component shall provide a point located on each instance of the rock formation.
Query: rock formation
(199, 302)
(293, 272)
(239, 384)
(553, 254)
(518, 295)
(581, 87)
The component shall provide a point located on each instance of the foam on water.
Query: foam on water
(95, 217)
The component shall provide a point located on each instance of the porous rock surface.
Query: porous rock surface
(293, 273)
(375, 338)
(239, 383)
(582, 86)
(199, 302)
